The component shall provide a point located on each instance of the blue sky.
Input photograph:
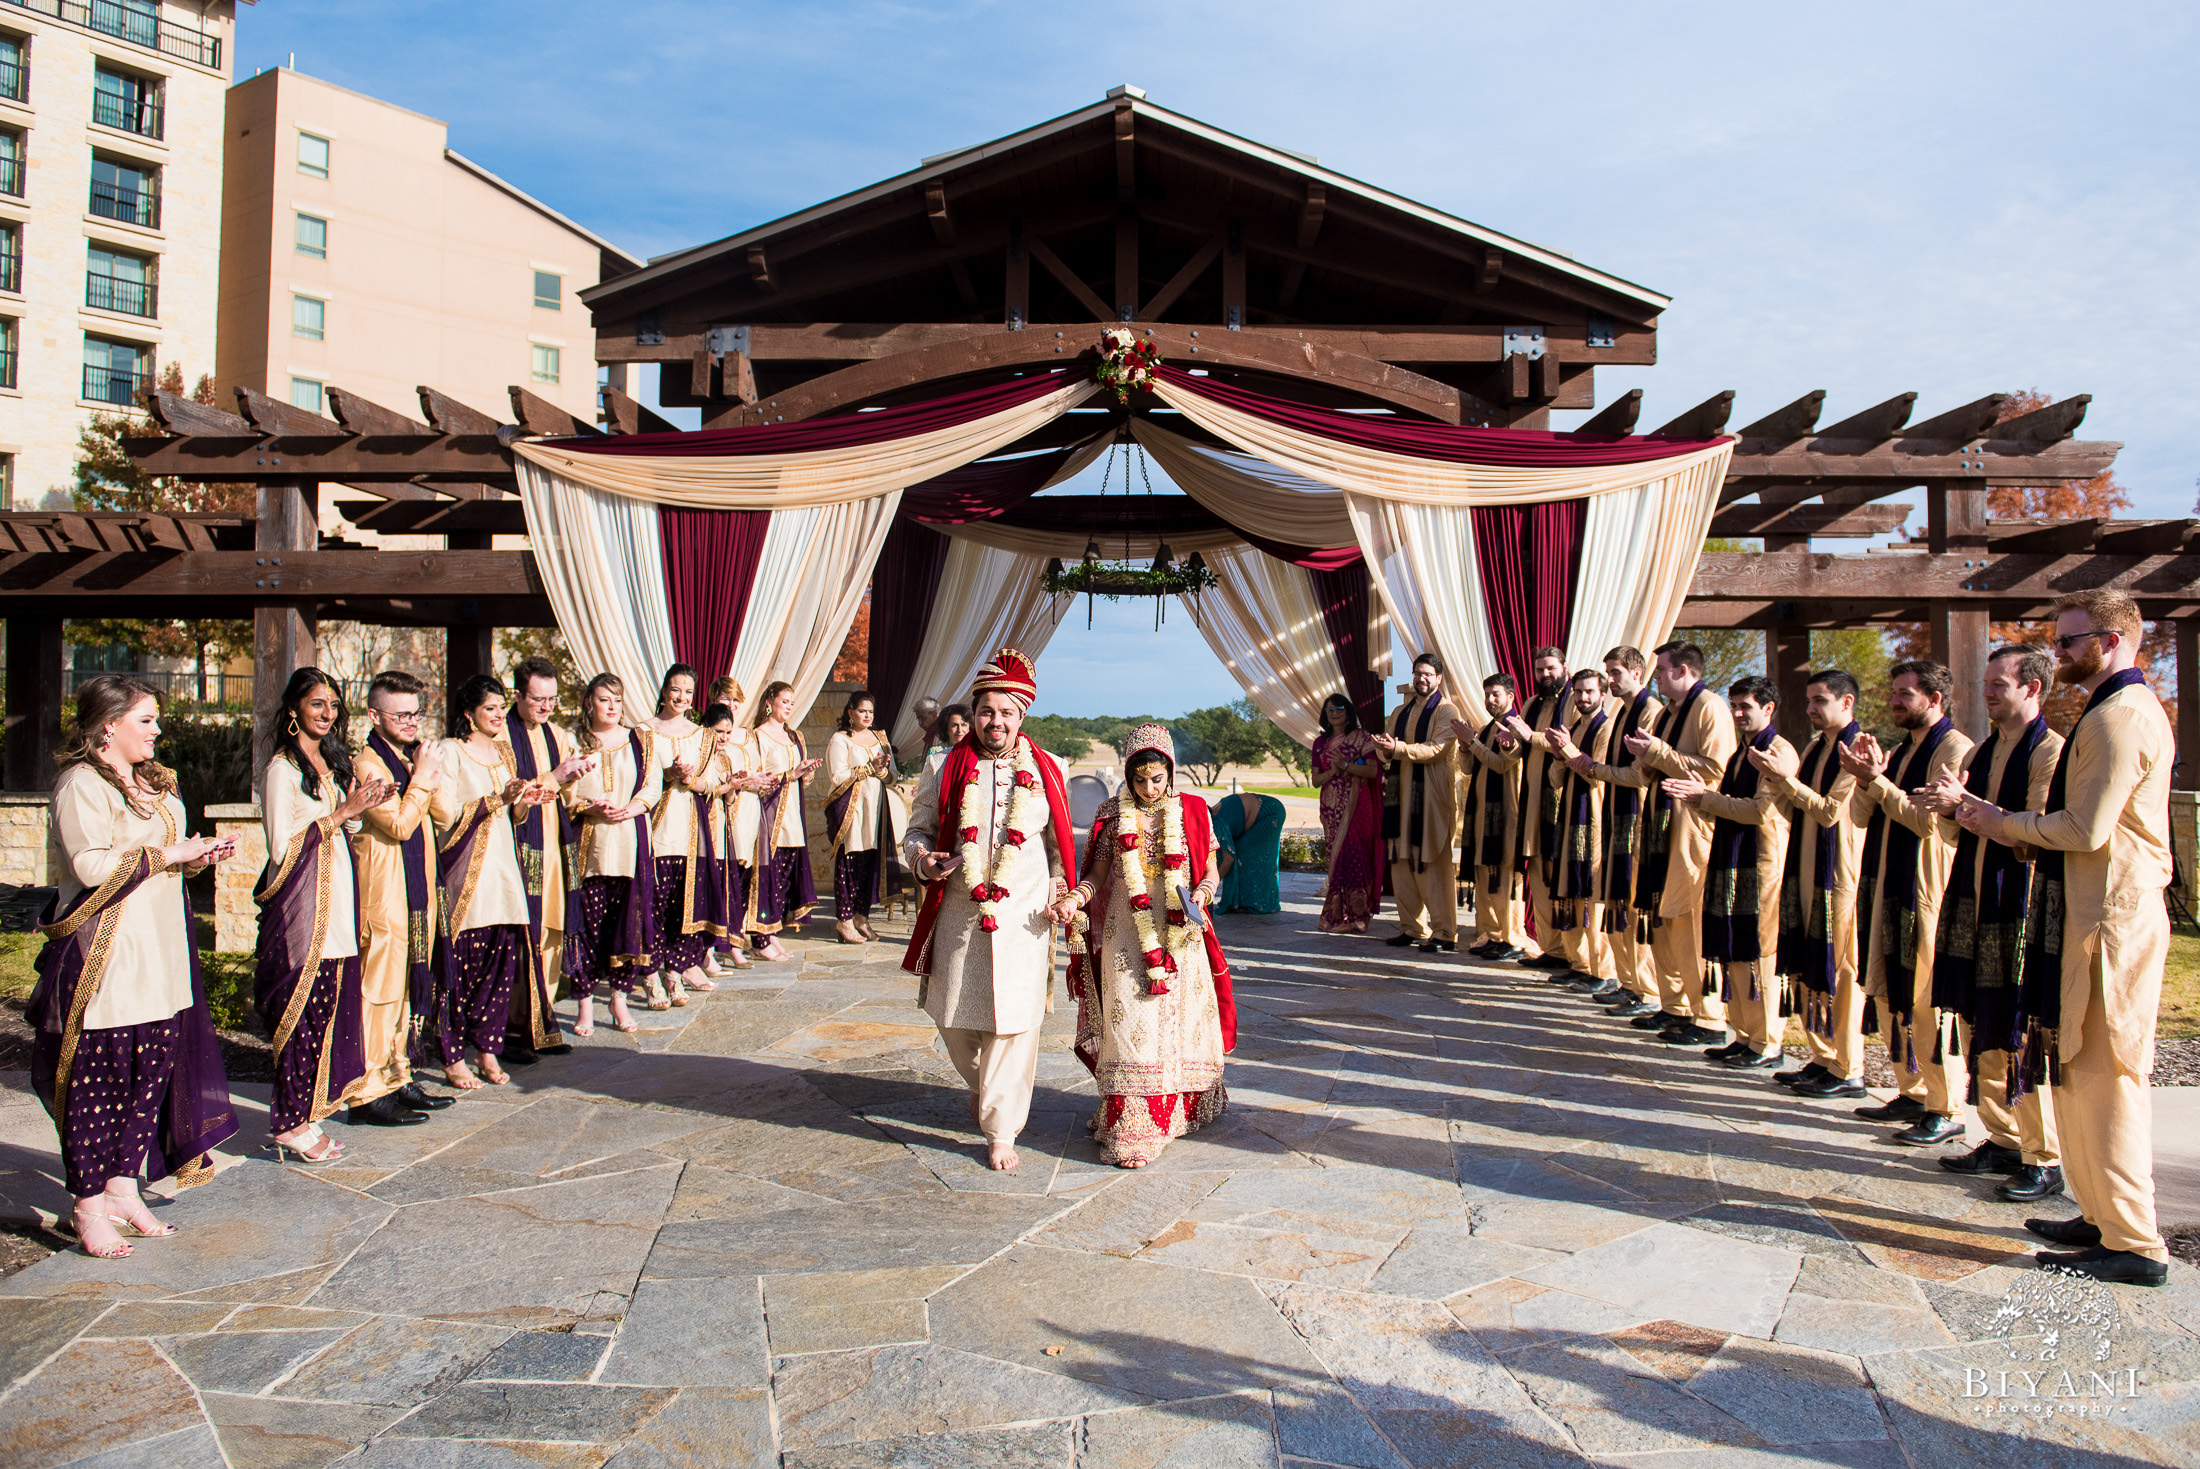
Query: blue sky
(1866, 198)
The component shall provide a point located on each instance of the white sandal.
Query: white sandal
(302, 1148)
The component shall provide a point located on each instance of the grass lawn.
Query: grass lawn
(1306, 791)
(2180, 1012)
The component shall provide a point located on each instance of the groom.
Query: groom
(994, 845)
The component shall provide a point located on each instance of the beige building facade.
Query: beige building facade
(360, 252)
(110, 216)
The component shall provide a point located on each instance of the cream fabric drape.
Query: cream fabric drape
(1280, 505)
(814, 572)
(987, 597)
(602, 563)
(1379, 475)
(1643, 556)
(817, 477)
(1422, 561)
(1264, 623)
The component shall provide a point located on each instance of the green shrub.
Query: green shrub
(212, 761)
(228, 979)
(1300, 847)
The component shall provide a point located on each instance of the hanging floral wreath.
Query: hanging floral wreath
(988, 893)
(1127, 363)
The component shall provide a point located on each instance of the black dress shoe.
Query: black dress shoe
(2117, 1267)
(1588, 982)
(1899, 1109)
(517, 1055)
(412, 1096)
(1635, 1008)
(1547, 961)
(1802, 1075)
(1504, 953)
(1987, 1157)
(1605, 990)
(1657, 1020)
(560, 1049)
(1731, 1048)
(1426, 946)
(384, 1111)
(2033, 1181)
(1930, 1131)
(1691, 1034)
(1748, 1060)
(1830, 1085)
(1401, 940)
(1447, 946)
(2077, 1232)
(1485, 949)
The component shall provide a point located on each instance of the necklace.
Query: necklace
(1159, 950)
(1014, 831)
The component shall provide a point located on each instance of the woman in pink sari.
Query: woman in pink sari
(1350, 779)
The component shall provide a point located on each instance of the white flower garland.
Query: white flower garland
(971, 820)
(1159, 952)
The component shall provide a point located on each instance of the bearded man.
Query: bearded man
(993, 843)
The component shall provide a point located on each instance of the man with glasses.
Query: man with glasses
(543, 755)
(2093, 979)
(393, 853)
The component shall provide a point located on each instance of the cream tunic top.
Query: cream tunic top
(608, 848)
(846, 754)
(149, 967)
(672, 816)
(500, 893)
(285, 810)
(777, 757)
(744, 810)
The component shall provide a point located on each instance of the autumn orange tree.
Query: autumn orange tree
(108, 479)
(2073, 499)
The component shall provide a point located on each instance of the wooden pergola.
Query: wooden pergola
(1254, 264)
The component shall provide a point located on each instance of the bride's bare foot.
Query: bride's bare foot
(1002, 1157)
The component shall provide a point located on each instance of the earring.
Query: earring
(106, 737)
(294, 724)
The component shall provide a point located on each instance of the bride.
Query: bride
(1154, 1011)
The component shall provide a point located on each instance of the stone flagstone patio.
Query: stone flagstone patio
(1453, 1217)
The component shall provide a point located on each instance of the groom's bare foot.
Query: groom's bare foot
(1003, 1157)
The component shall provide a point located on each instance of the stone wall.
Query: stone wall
(236, 918)
(28, 857)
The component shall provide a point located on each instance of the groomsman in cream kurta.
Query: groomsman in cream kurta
(2104, 842)
(1421, 756)
(1909, 855)
(1551, 708)
(996, 822)
(1488, 837)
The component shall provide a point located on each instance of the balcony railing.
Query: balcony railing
(119, 385)
(113, 293)
(15, 80)
(135, 26)
(140, 115)
(140, 206)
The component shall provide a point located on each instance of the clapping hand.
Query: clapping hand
(1685, 788)
(365, 796)
(1944, 797)
(1776, 760)
(1978, 816)
(1638, 744)
(1863, 758)
(572, 769)
(1559, 743)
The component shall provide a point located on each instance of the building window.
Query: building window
(305, 393)
(11, 257)
(120, 100)
(116, 372)
(126, 191)
(548, 288)
(11, 162)
(308, 317)
(7, 481)
(313, 155)
(8, 338)
(136, 21)
(313, 236)
(115, 281)
(546, 363)
(15, 72)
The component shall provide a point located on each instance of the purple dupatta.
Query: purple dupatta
(297, 896)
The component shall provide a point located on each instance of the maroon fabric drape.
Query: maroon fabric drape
(983, 490)
(711, 558)
(1157, 515)
(1344, 595)
(1529, 557)
(838, 432)
(904, 584)
(1524, 448)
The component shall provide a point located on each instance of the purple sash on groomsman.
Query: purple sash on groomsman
(196, 1115)
(423, 973)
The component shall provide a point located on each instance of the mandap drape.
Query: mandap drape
(643, 567)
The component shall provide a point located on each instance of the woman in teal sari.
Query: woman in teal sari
(1249, 848)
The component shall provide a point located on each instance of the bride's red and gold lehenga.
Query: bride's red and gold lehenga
(1155, 1016)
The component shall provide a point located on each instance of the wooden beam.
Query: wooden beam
(1959, 636)
(1788, 665)
(1955, 516)
(1181, 282)
(2047, 425)
(1233, 275)
(471, 459)
(1808, 520)
(737, 376)
(936, 212)
(286, 528)
(503, 517)
(1786, 425)
(1086, 296)
(1973, 420)
(1346, 372)
(362, 417)
(1906, 462)
(453, 417)
(276, 419)
(301, 579)
(1881, 421)
(469, 649)
(188, 416)
(1706, 420)
(1311, 210)
(760, 271)
(1617, 417)
(1126, 153)
(34, 702)
(1491, 272)
(540, 416)
(1913, 578)
(627, 415)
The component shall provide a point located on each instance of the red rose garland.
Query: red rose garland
(1022, 797)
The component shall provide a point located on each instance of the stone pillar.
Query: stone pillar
(34, 702)
(236, 917)
(28, 857)
(282, 632)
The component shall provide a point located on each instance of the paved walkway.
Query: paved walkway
(1451, 1219)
